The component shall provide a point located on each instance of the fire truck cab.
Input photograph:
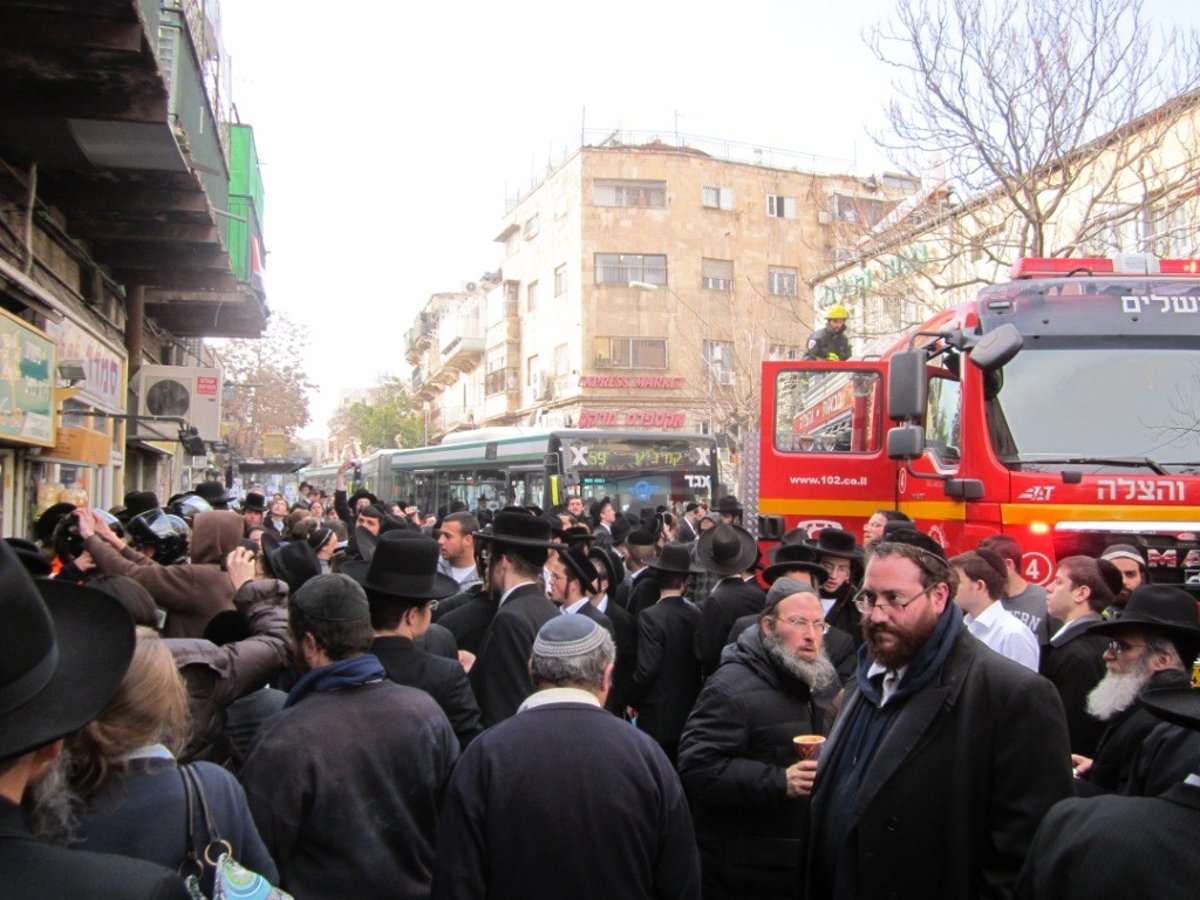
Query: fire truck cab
(1062, 407)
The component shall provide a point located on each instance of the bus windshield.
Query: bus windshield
(1066, 403)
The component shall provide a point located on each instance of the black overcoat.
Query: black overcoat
(500, 676)
(1074, 663)
(667, 678)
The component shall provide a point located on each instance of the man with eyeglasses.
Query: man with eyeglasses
(747, 787)
(942, 744)
(1152, 647)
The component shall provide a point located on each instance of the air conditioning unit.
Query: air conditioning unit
(184, 392)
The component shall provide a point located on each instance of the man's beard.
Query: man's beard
(905, 644)
(51, 804)
(817, 673)
(1116, 693)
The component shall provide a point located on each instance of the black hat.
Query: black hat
(358, 495)
(334, 598)
(270, 540)
(794, 536)
(32, 558)
(913, 538)
(835, 542)
(518, 529)
(640, 537)
(293, 562)
(614, 569)
(620, 529)
(63, 651)
(729, 504)
(576, 559)
(44, 527)
(254, 502)
(138, 502)
(1178, 705)
(674, 558)
(1160, 608)
(726, 550)
(403, 567)
(214, 492)
(790, 558)
(318, 538)
(577, 534)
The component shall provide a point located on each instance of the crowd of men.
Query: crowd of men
(594, 702)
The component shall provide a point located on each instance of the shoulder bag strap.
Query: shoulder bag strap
(192, 857)
(214, 839)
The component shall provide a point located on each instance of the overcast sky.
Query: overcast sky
(389, 134)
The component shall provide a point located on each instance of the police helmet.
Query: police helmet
(67, 539)
(165, 532)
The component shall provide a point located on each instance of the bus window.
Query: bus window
(943, 420)
(835, 411)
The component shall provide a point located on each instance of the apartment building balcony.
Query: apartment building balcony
(106, 120)
(419, 337)
(463, 348)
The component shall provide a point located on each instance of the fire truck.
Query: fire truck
(1062, 407)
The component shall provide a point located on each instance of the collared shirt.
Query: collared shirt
(1080, 624)
(558, 695)
(1004, 633)
(574, 607)
(891, 679)
(504, 596)
(150, 751)
(602, 603)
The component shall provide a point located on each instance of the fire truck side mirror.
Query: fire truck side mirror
(907, 385)
(997, 347)
(906, 442)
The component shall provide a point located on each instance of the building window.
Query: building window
(782, 352)
(531, 296)
(512, 307)
(531, 227)
(623, 192)
(630, 353)
(532, 370)
(858, 210)
(562, 360)
(781, 281)
(716, 274)
(1165, 231)
(622, 268)
(781, 207)
(718, 361)
(494, 373)
(560, 280)
(716, 197)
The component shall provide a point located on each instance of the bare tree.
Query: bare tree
(1060, 122)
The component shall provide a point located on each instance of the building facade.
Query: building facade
(639, 287)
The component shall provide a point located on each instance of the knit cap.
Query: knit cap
(567, 636)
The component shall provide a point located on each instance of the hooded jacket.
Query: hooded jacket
(191, 593)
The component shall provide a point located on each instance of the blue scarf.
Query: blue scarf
(344, 673)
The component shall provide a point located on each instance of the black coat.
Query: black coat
(599, 618)
(1116, 848)
(500, 676)
(443, 679)
(31, 870)
(1074, 663)
(469, 620)
(1113, 769)
(733, 759)
(955, 790)
(731, 599)
(667, 678)
(825, 341)
(564, 801)
(643, 593)
(626, 629)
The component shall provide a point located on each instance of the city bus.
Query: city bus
(540, 467)
(1062, 407)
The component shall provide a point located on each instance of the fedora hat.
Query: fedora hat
(214, 492)
(138, 502)
(44, 527)
(403, 567)
(1161, 608)
(360, 494)
(517, 529)
(674, 558)
(1178, 705)
(31, 556)
(729, 504)
(254, 502)
(620, 529)
(575, 557)
(835, 542)
(63, 651)
(726, 550)
(610, 563)
(792, 558)
(294, 562)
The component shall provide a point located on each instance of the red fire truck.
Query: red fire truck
(1062, 407)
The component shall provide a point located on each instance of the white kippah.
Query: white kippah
(566, 636)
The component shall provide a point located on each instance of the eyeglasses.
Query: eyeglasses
(818, 627)
(865, 600)
(834, 568)
(1116, 648)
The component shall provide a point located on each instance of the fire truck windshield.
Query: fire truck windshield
(1079, 403)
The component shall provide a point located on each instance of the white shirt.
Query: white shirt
(602, 603)
(574, 607)
(891, 680)
(558, 695)
(1006, 634)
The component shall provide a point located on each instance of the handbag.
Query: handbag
(231, 880)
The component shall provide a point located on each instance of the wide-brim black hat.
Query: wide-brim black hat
(44, 527)
(614, 568)
(676, 559)
(138, 502)
(358, 495)
(63, 651)
(1178, 705)
(835, 542)
(519, 530)
(729, 504)
(726, 550)
(1161, 608)
(620, 529)
(576, 559)
(254, 502)
(270, 540)
(214, 492)
(793, 558)
(294, 562)
(403, 567)
(36, 563)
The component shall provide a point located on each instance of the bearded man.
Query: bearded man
(945, 755)
(748, 790)
(1156, 634)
